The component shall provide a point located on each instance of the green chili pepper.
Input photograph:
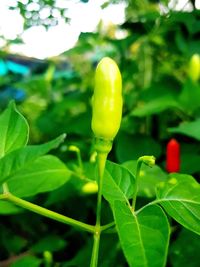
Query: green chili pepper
(107, 100)
(194, 67)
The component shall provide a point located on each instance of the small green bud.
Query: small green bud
(74, 149)
(148, 160)
(48, 258)
(93, 157)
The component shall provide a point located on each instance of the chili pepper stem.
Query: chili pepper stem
(138, 168)
(101, 166)
(75, 149)
(149, 161)
(101, 160)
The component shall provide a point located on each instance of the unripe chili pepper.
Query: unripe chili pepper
(173, 156)
(194, 67)
(107, 100)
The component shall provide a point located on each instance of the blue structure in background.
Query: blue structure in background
(8, 92)
(16, 67)
(3, 68)
(7, 66)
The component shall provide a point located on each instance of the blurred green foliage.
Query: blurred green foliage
(153, 50)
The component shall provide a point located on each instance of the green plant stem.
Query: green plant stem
(2, 196)
(47, 213)
(101, 166)
(101, 159)
(78, 155)
(5, 188)
(139, 164)
(80, 163)
(95, 250)
(107, 226)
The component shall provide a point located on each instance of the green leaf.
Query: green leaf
(80, 124)
(130, 147)
(149, 178)
(16, 160)
(181, 42)
(74, 186)
(144, 235)
(90, 170)
(118, 183)
(62, 193)
(180, 197)
(185, 248)
(9, 208)
(14, 243)
(113, 258)
(14, 131)
(190, 162)
(191, 129)
(190, 157)
(50, 243)
(44, 174)
(190, 95)
(27, 261)
(82, 255)
(155, 106)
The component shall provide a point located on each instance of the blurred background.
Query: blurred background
(48, 53)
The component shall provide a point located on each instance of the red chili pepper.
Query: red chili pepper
(173, 156)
